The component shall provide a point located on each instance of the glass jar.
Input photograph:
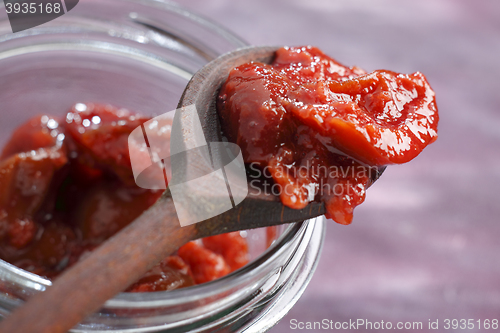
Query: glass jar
(139, 54)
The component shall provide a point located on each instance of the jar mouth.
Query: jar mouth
(187, 50)
(57, 37)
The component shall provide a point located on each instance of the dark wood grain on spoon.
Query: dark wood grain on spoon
(127, 256)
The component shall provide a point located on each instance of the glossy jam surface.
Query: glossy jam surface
(66, 185)
(318, 127)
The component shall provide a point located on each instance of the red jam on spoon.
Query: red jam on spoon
(317, 127)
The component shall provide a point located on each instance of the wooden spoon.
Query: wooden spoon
(127, 256)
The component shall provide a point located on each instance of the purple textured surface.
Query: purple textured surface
(425, 245)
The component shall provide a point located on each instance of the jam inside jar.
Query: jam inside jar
(66, 185)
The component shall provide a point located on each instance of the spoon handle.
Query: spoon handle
(108, 270)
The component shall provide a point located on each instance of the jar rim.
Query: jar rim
(168, 298)
(227, 282)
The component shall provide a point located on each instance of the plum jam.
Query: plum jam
(319, 129)
(66, 185)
